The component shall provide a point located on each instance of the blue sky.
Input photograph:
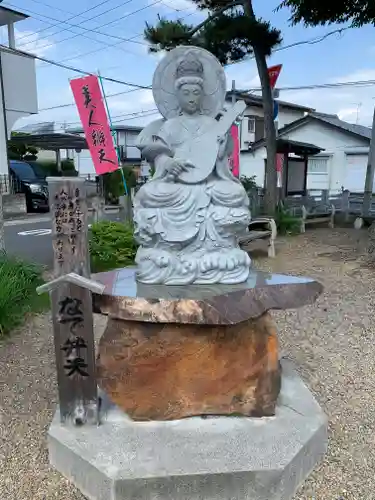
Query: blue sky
(339, 58)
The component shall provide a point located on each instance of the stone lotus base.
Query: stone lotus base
(156, 371)
(217, 458)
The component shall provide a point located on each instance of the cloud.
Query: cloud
(30, 41)
(351, 103)
(245, 75)
(176, 5)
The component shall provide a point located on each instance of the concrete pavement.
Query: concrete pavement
(30, 238)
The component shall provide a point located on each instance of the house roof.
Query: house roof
(130, 128)
(256, 100)
(9, 16)
(296, 147)
(41, 128)
(335, 121)
(332, 120)
(52, 141)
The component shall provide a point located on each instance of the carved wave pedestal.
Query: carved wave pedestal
(170, 353)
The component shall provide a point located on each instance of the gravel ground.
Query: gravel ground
(331, 343)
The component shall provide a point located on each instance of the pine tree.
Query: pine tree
(314, 13)
(231, 32)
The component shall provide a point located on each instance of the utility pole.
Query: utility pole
(369, 173)
(233, 91)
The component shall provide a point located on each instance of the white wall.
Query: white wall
(334, 142)
(20, 91)
(46, 155)
(286, 115)
(20, 96)
(3, 143)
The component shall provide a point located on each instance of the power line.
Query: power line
(106, 44)
(85, 20)
(134, 114)
(71, 68)
(68, 105)
(69, 18)
(83, 54)
(92, 29)
(358, 83)
(136, 86)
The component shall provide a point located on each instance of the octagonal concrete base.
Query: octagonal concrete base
(224, 458)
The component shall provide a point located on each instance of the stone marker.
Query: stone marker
(71, 302)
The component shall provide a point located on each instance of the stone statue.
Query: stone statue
(189, 216)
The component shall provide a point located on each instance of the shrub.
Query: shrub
(114, 184)
(50, 168)
(249, 183)
(286, 222)
(18, 281)
(112, 245)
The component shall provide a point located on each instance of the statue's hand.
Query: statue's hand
(176, 167)
(223, 141)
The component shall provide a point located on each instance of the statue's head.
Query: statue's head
(189, 83)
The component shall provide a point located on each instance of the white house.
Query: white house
(18, 92)
(252, 124)
(342, 162)
(125, 138)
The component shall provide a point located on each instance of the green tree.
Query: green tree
(314, 12)
(231, 32)
(21, 151)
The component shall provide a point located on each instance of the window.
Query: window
(317, 166)
(131, 138)
(23, 170)
(251, 125)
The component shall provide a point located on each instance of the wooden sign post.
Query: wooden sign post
(71, 302)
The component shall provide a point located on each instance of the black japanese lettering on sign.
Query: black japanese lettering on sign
(88, 104)
(98, 137)
(102, 157)
(71, 313)
(75, 346)
(87, 96)
(68, 218)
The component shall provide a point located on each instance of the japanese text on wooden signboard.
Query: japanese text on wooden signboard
(94, 119)
(67, 221)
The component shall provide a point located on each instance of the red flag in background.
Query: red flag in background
(273, 74)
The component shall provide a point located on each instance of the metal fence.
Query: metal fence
(5, 184)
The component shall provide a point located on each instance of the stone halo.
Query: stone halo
(164, 80)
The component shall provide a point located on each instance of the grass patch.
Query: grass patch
(112, 246)
(18, 281)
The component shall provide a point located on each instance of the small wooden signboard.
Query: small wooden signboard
(72, 303)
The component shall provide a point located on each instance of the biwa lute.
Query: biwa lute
(202, 151)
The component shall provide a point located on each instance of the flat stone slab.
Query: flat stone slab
(218, 458)
(125, 298)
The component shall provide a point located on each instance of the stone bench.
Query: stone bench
(262, 228)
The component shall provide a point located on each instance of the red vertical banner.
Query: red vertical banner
(273, 74)
(279, 168)
(94, 119)
(235, 157)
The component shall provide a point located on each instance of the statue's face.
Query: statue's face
(189, 97)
